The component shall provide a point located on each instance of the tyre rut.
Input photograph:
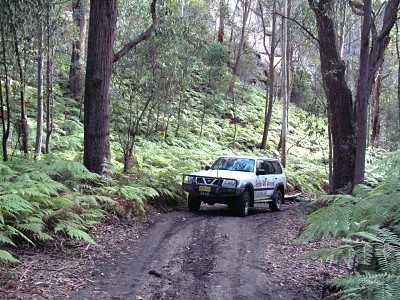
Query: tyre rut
(211, 254)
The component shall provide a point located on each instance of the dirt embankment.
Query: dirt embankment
(180, 255)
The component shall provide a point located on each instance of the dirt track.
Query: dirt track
(213, 255)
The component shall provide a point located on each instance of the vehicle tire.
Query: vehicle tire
(275, 205)
(193, 203)
(243, 203)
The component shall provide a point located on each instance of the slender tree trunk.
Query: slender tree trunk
(398, 77)
(78, 49)
(24, 122)
(39, 119)
(102, 24)
(271, 73)
(362, 96)
(5, 113)
(284, 85)
(178, 118)
(338, 95)
(376, 118)
(49, 86)
(231, 89)
(221, 27)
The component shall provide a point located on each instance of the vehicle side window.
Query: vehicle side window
(268, 168)
(277, 168)
(260, 166)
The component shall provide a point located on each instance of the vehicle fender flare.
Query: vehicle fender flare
(249, 187)
(280, 187)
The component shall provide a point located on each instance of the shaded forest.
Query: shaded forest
(105, 104)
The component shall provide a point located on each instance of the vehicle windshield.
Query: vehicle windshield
(234, 164)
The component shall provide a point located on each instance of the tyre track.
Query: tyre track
(213, 255)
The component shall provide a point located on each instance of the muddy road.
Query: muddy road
(213, 254)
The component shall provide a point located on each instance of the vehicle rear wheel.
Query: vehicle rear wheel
(193, 203)
(275, 205)
(243, 204)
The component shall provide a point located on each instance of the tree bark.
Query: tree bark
(49, 86)
(271, 72)
(285, 84)
(371, 59)
(362, 95)
(398, 77)
(221, 27)
(102, 24)
(338, 95)
(5, 113)
(376, 118)
(39, 119)
(23, 130)
(78, 49)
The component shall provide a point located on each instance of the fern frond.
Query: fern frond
(74, 232)
(6, 257)
(369, 286)
(14, 204)
(5, 239)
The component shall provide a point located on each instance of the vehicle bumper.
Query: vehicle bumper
(217, 194)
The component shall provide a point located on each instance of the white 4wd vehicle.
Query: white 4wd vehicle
(239, 182)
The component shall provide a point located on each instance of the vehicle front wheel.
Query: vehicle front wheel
(275, 205)
(193, 203)
(243, 204)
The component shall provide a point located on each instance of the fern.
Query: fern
(73, 231)
(368, 226)
(6, 257)
(369, 286)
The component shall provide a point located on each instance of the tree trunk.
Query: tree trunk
(23, 130)
(362, 96)
(338, 95)
(221, 27)
(39, 119)
(371, 59)
(398, 77)
(102, 24)
(271, 73)
(5, 113)
(231, 89)
(78, 49)
(284, 85)
(376, 120)
(49, 86)
(100, 57)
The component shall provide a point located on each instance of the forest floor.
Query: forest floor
(211, 254)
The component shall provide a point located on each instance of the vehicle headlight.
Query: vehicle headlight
(229, 183)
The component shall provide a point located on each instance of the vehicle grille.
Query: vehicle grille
(208, 181)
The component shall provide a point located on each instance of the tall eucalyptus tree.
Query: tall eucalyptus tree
(100, 58)
(349, 126)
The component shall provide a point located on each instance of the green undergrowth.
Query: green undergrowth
(367, 225)
(46, 197)
(57, 195)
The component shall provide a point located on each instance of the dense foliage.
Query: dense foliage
(367, 224)
(175, 106)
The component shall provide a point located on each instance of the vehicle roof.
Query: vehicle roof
(249, 157)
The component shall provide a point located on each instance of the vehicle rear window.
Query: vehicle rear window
(277, 167)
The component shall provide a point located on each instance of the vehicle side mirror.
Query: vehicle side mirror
(207, 168)
(260, 172)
